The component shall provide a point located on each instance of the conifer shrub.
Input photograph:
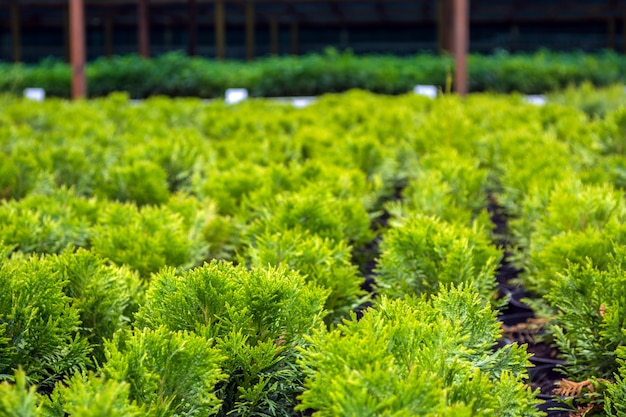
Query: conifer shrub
(423, 253)
(591, 310)
(169, 372)
(256, 317)
(39, 325)
(417, 356)
(553, 223)
(46, 223)
(315, 210)
(142, 182)
(87, 394)
(105, 295)
(323, 262)
(615, 394)
(146, 239)
(447, 185)
(18, 398)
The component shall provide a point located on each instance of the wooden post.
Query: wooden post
(77, 48)
(16, 33)
(461, 45)
(610, 33)
(143, 28)
(274, 34)
(193, 27)
(108, 36)
(250, 30)
(294, 37)
(220, 30)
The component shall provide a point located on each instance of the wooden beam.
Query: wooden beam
(274, 34)
(77, 48)
(220, 30)
(461, 45)
(108, 35)
(294, 37)
(250, 30)
(16, 39)
(193, 27)
(143, 28)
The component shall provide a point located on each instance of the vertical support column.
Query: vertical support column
(250, 30)
(294, 37)
(108, 36)
(193, 27)
(610, 29)
(461, 45)
(220, 30)
(274, 34)
(77, 48)
(16, 33)
(143, 28)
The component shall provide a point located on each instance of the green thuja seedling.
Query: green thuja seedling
(417, 356)
(615, 394)
(17, 399)
(256, 317)
(591, 310)
(39, 326)
(323, 262)
(142, 182)
(89, 395)
(168, 372)
(145, 239)
(47, 223)
(105, 295)
(424, 252)
(317, 211)
(445, 185)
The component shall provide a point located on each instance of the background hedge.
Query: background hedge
(175, 74)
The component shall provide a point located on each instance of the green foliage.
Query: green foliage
(417, 357)
(256, 317)
(317, 211)
(87, 395)
(145, 239)
(170, 373)
(323, 262)
(105, 295)
(18, 400)
(142, 182)
(591, 307)
(423, 253)
(615, 394)
(39, 327)
(447, 185)
(175, 74)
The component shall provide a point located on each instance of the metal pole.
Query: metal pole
(16, 33)
(250, 30)
(143, 30)
(461, 45)
(611, 33)
(220, 30)
(77, 48)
